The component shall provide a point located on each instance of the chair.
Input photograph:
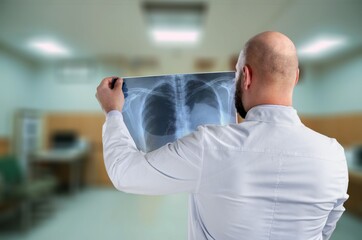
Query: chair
(19, 195)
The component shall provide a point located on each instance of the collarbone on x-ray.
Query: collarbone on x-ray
(161, 109)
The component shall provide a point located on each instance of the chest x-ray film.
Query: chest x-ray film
(161, 109)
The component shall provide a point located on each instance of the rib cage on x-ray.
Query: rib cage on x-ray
(161, 109)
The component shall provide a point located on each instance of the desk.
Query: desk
(74, 158)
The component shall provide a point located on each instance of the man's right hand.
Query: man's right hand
(110, 99)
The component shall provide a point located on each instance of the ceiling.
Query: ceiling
(118, 28)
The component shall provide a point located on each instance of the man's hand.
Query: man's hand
(110, 99)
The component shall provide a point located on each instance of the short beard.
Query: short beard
(238, 101)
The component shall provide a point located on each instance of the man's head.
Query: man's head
(266, 72)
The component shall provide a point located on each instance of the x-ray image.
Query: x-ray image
(161, 109)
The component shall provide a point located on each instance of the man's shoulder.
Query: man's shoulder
(327, 142)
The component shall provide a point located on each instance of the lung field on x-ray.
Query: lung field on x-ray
(161, 109)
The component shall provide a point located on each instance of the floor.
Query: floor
(104, 213)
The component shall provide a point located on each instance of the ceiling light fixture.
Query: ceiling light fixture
(49, 47)
(176, 23)
(321, 46)
(175, 36)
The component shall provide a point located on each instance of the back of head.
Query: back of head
(273, 58)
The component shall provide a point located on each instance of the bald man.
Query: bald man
(269, 177)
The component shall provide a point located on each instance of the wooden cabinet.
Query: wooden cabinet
(89, 126)
(354, 203)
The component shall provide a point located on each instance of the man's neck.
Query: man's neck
(273, 101)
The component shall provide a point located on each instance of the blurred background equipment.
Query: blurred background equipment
(27, 136)
(65, 157)
(53, 53)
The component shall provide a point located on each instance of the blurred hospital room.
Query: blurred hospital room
(54, 53)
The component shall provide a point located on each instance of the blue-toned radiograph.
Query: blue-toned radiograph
(161, 109)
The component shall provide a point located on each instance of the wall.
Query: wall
(17, 90)
(339, 85)
(330, 87)
(326, 88)
(61, 89)
(305, 93)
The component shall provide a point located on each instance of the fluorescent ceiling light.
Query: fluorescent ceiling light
(49, 47)
(174, 23)
(175, 36)
(321, 46)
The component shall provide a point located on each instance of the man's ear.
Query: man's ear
(297, 78)
(248, 77)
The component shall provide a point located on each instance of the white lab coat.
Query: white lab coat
(269, 177)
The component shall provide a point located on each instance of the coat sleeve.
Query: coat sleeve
(338, 208)
(175, 167)
(333, 218)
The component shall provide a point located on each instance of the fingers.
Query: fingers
(102, 86)
(118, 85)
(106, 82)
